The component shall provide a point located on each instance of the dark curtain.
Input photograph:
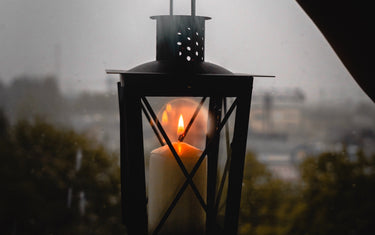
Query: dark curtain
(349, 28)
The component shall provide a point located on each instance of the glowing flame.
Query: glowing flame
(181, 127)
(164, 118)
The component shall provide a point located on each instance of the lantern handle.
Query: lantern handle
(192, 7)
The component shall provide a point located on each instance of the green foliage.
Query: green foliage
(37, 171)
(335, 196)
(338, 194)
(265, 201)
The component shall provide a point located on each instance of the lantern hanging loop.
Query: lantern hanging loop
(192, 7)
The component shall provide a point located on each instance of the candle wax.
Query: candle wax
(165, 180)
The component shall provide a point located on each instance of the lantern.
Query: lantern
(184, 191)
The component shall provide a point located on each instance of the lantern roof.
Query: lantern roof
(180, 48)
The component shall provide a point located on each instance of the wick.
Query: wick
(181, 138)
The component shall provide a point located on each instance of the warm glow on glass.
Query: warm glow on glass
(168, 108)
(170, 113)
(181, 127)
(164, 118)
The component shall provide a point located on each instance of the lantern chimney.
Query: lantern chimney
(180, 37)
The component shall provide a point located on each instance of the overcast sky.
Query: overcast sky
(79, 39)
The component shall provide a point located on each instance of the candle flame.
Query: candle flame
(164, 118)
(181, 127)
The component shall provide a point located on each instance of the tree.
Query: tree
(265, 201)
(46, 188)
(338, 195)
(335, 196)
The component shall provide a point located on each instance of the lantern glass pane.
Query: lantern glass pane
(226, 136)
(164, 176)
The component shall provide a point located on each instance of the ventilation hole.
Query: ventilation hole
(188, 28)
(179, 33)
(196, 53)
(196, 33)
(188, 58)
(196, 43)
(188, 38)
(180, 53)
(188, 48)
(202, 58)
(179, 43)
(202, 38)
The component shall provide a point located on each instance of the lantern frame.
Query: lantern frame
(178, 73)
(133, 89)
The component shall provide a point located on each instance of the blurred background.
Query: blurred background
(311, 143)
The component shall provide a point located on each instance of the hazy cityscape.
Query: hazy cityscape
(283, 128)
(286, 134)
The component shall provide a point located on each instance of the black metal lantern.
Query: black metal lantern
(180, 71)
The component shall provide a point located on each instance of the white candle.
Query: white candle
(165, 180)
